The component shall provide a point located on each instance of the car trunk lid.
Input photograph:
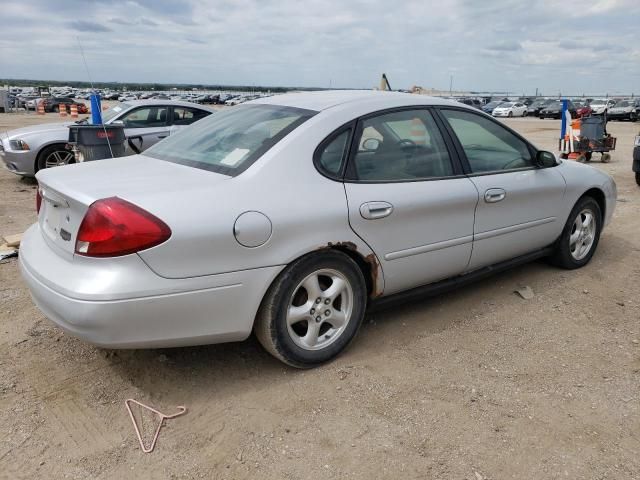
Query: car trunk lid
(68, 191)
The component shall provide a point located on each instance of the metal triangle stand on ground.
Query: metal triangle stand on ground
(162, 416)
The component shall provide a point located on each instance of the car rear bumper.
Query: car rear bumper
(121, 303)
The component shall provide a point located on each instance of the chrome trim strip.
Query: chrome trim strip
(513, 228)
(432, 247)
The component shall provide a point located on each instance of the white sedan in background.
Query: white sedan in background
(510, 109)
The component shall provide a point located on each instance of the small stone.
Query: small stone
(635, 341)
(585, 291)
(478, 476)
(239, 456)
(162, 358)
(620, 303)
(525, 293)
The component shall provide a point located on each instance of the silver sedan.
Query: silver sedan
(289, 215)
(27, 150)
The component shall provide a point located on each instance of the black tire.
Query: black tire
(45, 152)
(587, 156)
(271, 321)
(562, 257)
(510, 114)
(638, 178)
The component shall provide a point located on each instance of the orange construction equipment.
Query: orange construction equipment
(41, 107)
(74, 110)
(62, 109)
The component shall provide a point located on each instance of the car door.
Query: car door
(517, 212)
(146, 125)
(407, 198)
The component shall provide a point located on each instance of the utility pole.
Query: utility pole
(450, 84)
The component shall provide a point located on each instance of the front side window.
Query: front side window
(231, 140)
(488, 146)
(397, 146)
(146, 117)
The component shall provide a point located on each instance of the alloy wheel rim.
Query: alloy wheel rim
(58, 158)
(320, 309)
(582, 234)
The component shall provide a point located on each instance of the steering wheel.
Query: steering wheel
(406, 143)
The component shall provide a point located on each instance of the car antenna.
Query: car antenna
(106, 136)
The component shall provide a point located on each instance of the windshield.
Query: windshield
(624, 103)
(597, 103)
(112, 112)
(507, 104)
(228, 142)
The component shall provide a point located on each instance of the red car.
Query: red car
(53, 104)
(583, 109)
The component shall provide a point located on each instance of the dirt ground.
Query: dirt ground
(475, 384)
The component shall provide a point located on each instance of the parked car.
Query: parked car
(601, 106)
(288, 215)
(472, 102)
(27, 150)
(554, 109)
(488, 108)
(533, 110)
(583, 109)
(625, 110)
(55, 104)
(510, 109)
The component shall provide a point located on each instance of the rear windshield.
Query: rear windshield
(229, 141)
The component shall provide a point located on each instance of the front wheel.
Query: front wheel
(313, 309)
(54, 156)
(510, 114)
(580, 236)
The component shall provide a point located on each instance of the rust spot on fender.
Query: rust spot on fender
(347, 245)
(372, 260)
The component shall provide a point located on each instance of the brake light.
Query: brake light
(113, 227)
(38, 200)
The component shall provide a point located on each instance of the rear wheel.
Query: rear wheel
(313, 309)
(54, 156)
(638, 178)
(580, 236)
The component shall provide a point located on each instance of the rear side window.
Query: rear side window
(186, 115)
(400, 146)
(488, 146)
(230, 141)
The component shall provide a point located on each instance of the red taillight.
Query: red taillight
(38, 200)
(114, 227)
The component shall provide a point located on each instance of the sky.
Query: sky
(516, 46)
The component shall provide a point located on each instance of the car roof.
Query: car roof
(322, 100)
(175, 103)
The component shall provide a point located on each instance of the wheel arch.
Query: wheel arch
(600, 198)
(42, 149)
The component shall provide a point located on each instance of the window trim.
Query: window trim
(350, 175)
(317, 153)
(533, 151)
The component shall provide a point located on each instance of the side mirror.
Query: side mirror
(371, 144)
(117, 122)
(545, 159)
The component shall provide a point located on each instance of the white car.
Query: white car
(289, 215)
(510, 109)
(601, 106)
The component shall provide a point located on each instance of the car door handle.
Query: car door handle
(494, 195)
(374, 210)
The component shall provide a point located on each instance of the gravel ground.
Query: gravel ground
(475, 384)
